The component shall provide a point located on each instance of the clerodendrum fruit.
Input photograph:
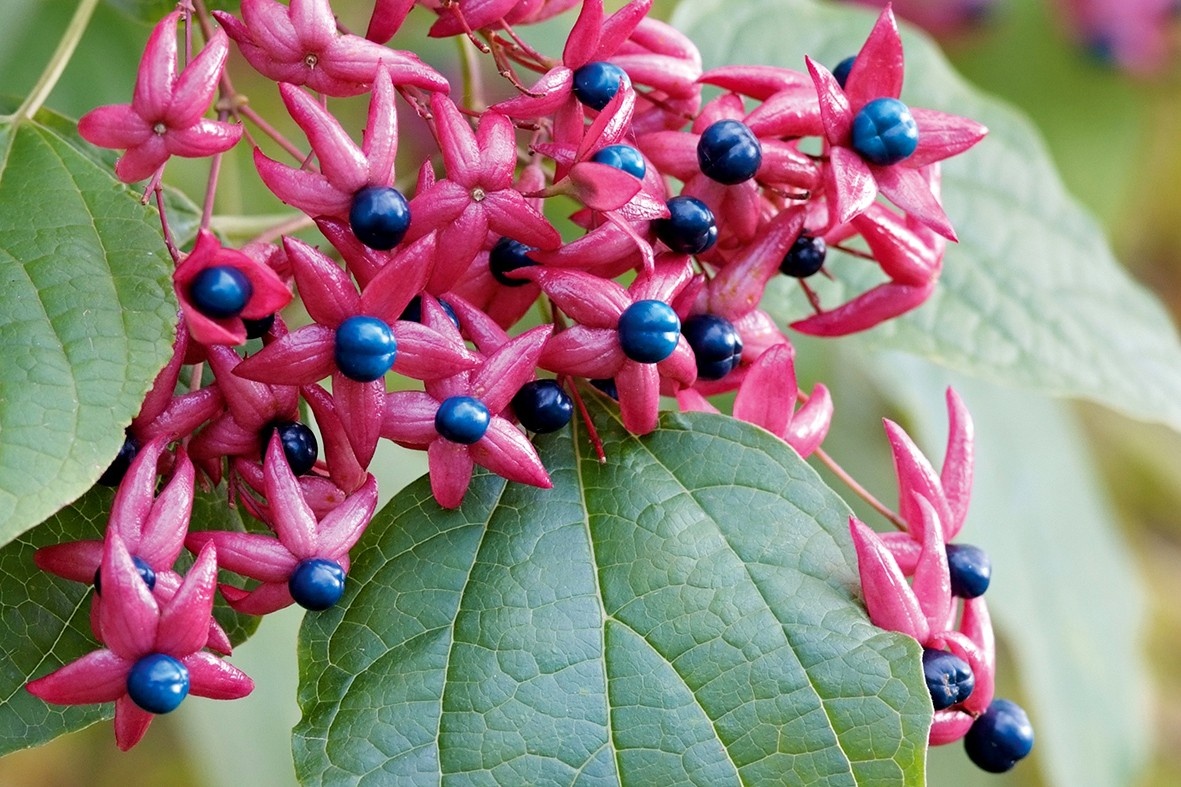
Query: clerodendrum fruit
(299, 445)
(462, 419)
(841, 72)
(365, 348)
(413, 311)
(716, 345)
(623, 157)
(220, 292)
(379, 217)
(256, 329)
(949, 678)
(805, 257)
(595, 84)
(158, 683)
(507, 256)
(884, 132)
(649, 331)
(115, 471)
(729, 152)
(970, 569)
(542, 406)
(317, 583)
(1000, 737)
(690, 227)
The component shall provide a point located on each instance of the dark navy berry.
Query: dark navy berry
(299, 445)
(542, 406)
(413, 311)
(1000, 737)
(715, 343)
(970, 568)
(949, 678)
(841, 72)
(115, 471)
(884, 132)
(365, 348)
(595, 84)
(623, 157)
(379, 217)
(607, 386)
(256, 329)
(462, 419)
(690, 227)
(805, 257)
(506, 256)
(220, 292)
(316, 583)
(145, 573)
(158, 683)
(649, 331)
(729, 152)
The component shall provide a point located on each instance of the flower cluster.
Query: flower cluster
(687, 210)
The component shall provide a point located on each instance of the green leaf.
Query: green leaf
(87, 317)
(684, 613)
(1032, 295)
(45, 620)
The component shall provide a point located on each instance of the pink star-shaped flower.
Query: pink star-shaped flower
(164, 116)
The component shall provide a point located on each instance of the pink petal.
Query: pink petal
(99, 676)
(908, 189)
(549, 94)
(251, 403)
(302, 357)
(758, 82)
(250, 554)
(601, 186)
(902, 254)
(390, 291)
(834, 106)
(948, 726)
(294, 521)
(131, 722)
(942, 136)
(313, 21)
(216, 679)
(341, 161)
(866, 310)
(510, 215)
(364, 263)
(436, 207)
(380, 143)
(497, 381)
(932, 582)
(450, 472)
(767, 396)
(878, 68)
(958, 463)
(587, 299)
(114, 126)
(143, 160)
(157, 70)
(690, 400)
(905, 549)
(164, 531)
(343, 467)
(851, 185)
(388, 16)
(585, 352)
(425, 354)
(639, 396)
(507, 452)
(203, 138)
(184, 620)
(309, 191)
(410, 418)
(977, 626)
(133, 502)
(341, 528)
(810, 424)
(915, 477)
(888, 598)
(737, 290)
(129, 614)
(496, 139)
(359, 406)
(197, 83)
(263, 600)
(672, 76)
(680, 367)
(583, 42)
(461, 153)
(76, 561)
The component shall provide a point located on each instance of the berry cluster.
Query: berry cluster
(432, 285)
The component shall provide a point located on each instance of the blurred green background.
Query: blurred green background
(1115, 140)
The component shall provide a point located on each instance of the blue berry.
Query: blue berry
(595, 84)
(506, 256)
(884, 132)
(841, 72)
(542, 406)
(158, 683)
(115, 471)
(299, 445)
(949, 678)
(649, 331)
(623, 157)
(690, 227)
(607, 386)
(970, 568)
(805, 257)
(462, 419)
(365, 348)
(379, 217)
(1000, 737)
(317, 583)
(256, 329)
(145, 573)
(220, 292)
(729, 152)
(413, 311)
(715, 343)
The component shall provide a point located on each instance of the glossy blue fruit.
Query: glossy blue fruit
(317, 583)
(220, 292)
(462, 419)
(118, 466)
(884, 132)
(805, 257)
(716, 345)
(413, 311)
(649, 331)
(949, 678)
(379, 217)
(1000, 737)
(365, 348)
(595, 84)
(145, 573)
(971, 570)
(690, 227)
(158, 683)
(729, 152)
(542, 406)
(299, 445)
(607, 386)
(256, 329)
(623, 157)
(506, 256)
(841, 72)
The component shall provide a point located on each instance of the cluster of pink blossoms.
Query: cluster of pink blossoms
(696, 205)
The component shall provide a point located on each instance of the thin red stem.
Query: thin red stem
(859, 490)
(591, 432)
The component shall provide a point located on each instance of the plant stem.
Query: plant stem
(859, 490)
(57, 64)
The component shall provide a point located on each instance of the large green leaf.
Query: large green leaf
(87, 317)
(1031, 296)
(684, 613)
(45, 620)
